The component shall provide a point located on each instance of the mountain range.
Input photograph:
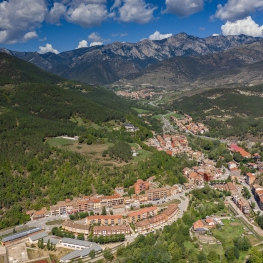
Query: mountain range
(173, 62)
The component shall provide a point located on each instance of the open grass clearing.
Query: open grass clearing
(143, 154)
(135, 146)
(232, 229)
(158, 117)
(178, 116)
(140, 111)
(57, 142)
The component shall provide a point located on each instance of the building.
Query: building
(241, 203)
(82, 248)
(235, 148)
(140, 186)
(119, 209)
(36, 237)
(142, 214)
(19, 236)
(111, 230)
(158, 193)
(119, 190)
(104, 220)
(250, 178)
(151, 223)
(75, 228)
(167, 216)
(257, 190)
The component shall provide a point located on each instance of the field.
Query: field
(54, 222)
(57, 142)
(178, 116)
(142, 155)
(140, 111)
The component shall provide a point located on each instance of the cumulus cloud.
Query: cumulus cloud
(158, 36)
(95, 37)
(82, 43)
(183, 8)
(245, 26)
(215, 35)
(18, 17)
(47, 48)
(137, 11)
(96, 44)
(30, 35)
(87, 15)
(237, 9)
(56, 12)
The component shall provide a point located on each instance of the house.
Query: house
(119, 190)
(198, 224)
(231, 165)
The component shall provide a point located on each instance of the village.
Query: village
(150, 208)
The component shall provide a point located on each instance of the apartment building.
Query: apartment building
(140, 186)
(158, 193)
(111, 230)
(142, 214)
(171, 211)
(257, 190)
(241, 203)
(75, 228)
(151, 223)
(104, 220)
(86, 204)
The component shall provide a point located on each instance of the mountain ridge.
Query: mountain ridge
(102, 65)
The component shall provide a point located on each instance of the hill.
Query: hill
(107, 64)
(228, 112)
(34, 174)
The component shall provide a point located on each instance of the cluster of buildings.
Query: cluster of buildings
(136, 95)
(241, 202)
(175, 145)
(206, 224)
(186, 124)
(205, 172)
(158, 220)
(144, 219)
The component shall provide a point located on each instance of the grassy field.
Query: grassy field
(135, 145)
(142, 155)
(55, 222)
(158, 117)
(141, 111)
(57, 142)
(178, 116)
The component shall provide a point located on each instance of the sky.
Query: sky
(61, 25)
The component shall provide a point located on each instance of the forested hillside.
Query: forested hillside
(228, 112)
(33, 174)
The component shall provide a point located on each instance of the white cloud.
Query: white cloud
(237, 9)
(158, 36)
(183, 8)
(30, 35)
(96, 44)
(47, 48)
(137, 11)
(82, 43)
(56, 12)
(215, 35)
(87, 15)
(95, 37)
(245, 26)
(18, 17)
(117, 3)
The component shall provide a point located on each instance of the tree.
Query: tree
(212, 256)
(92, 254)
(48, 245)
(242, 243)
(104, 212)
(107, 254)
(81, 237)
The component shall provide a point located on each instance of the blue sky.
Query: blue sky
(61, 25)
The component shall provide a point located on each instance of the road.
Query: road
(153, 103)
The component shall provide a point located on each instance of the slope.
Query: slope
(237, 65)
